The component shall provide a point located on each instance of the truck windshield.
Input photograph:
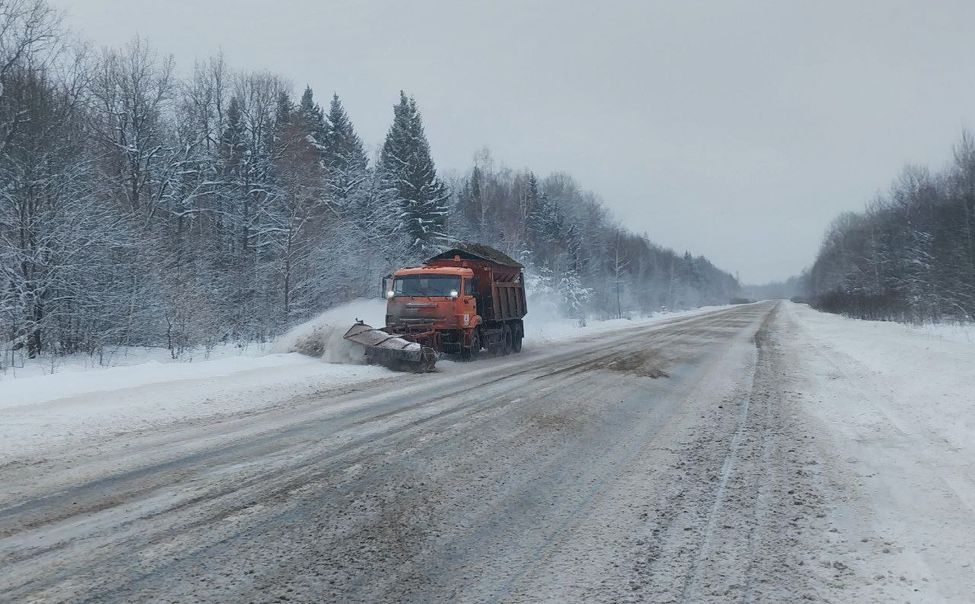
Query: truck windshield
(425, 285)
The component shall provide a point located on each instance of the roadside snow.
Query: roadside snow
(39, 410)
(898, 406)
(45, 411)
(72, 385)
(123, 356)
(545, 327)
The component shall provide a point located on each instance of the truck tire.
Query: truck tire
(506, 341)
(516, 341)
(471, 354)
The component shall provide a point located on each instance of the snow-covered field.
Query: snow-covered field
(897, 404)
(143, 389)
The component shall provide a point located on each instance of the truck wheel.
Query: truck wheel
(516, 341)
(506, 343)
(471, 354)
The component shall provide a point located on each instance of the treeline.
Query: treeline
(911, 255)
(574, 250)
(138, 207)
(793, 287)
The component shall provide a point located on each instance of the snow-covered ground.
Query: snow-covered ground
(144, 389)
(897, 404)
(848, 464)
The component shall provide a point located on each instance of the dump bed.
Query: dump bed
(499, 280)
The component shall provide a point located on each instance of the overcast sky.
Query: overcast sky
(736, 130)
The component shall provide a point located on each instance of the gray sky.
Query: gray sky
(736, 130)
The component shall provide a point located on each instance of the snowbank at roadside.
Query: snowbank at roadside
(544, 326)
(926, 372)
(46, 411)
(137, 367)
(125, 356)
(897, 403)
(39, 409)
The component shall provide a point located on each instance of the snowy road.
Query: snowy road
(666, 464)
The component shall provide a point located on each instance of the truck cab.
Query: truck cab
(424, 298)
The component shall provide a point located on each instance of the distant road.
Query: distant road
(654, 465)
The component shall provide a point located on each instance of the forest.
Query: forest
(144, 206)
(910, 256)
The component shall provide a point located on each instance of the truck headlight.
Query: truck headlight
(390, 294)
(453, 293)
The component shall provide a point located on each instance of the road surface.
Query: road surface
(661, 464)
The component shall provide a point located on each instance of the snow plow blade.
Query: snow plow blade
(392, 351)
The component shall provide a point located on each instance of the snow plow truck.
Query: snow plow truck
(468, 298)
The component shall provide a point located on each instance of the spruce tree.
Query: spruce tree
(232, 168)
(471, 209)
(537, 213)
(312, 119)
(344, 157)
(409, 180)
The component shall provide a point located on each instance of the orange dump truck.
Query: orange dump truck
(465, 299)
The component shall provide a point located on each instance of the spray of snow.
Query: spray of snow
(322, 338)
